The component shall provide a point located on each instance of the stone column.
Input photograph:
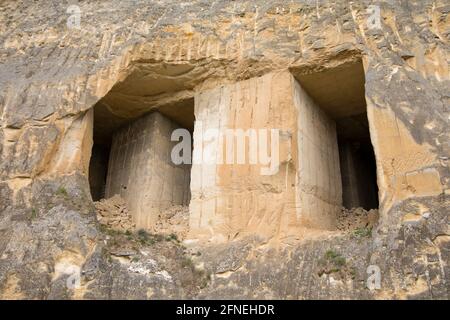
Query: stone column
(319, 186)
(231, 200)
(141, 171)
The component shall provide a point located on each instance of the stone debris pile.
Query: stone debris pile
(356, 218)
(173, 220)
(114, 214)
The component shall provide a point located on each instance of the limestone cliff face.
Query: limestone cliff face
(130, 57)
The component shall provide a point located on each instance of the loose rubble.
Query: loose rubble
(114, 214)
(174, 220)
(356, 218)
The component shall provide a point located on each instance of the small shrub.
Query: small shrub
(362, 232)
(142, 233)
(146, 238)
(340, 261)
(335, 258)
(172, 237)
(143, 236)
(33, 213)
(331, 254)
(62, 191)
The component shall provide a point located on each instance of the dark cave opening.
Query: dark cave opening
(131, 155)
(340, 92)
(98, 170)
(357, 163)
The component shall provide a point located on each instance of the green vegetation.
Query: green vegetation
(335, 258)
(172, 237)
(365, 232)
(194, 277)
(34, 213)
(141, 236)
(332, 262)
(62, 191)
(146, 238)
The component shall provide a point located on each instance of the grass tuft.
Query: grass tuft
(365, 232)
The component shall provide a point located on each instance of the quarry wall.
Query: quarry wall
(134, 58)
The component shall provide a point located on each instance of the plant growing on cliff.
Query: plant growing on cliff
(62, 191)
(336, 258)
(33, 213)
(365, 232)
(173, 237)
(332, 262)
(146, 238)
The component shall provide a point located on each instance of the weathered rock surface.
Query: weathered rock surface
(133, 56)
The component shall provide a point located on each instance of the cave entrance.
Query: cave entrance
(340, 92)
(357, 163)
(131, 157)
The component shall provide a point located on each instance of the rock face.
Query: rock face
(323, 75)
